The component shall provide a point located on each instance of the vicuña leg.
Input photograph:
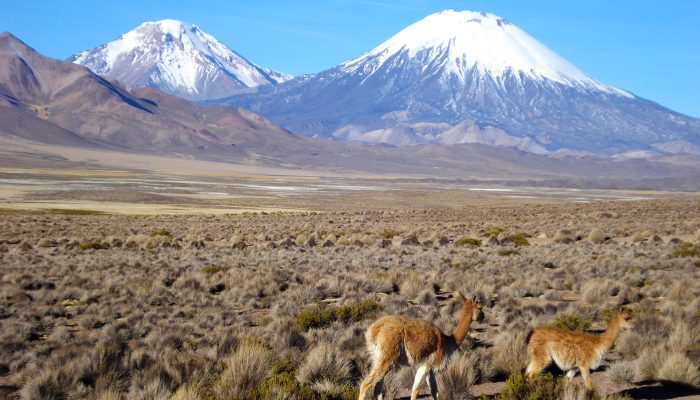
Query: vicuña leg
(586, 378)
(379, 390)
(420, 374)
(379, 369)
(432, 384)
(570, 374)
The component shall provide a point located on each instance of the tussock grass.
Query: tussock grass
(163, 316)
(244, 370)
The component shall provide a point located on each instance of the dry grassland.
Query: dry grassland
(274, 305)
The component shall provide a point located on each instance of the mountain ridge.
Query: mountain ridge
(87, 109)
(47, 105)
(178, 58)
(416, 88)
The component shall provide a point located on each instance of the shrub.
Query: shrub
(313, 317)
(508, 252)
(686, 249)
(284, 385)
(572, 322)
(456, 380)
(510, 352)
(468, 241)
(596, 236)
(247, 368)
(323, 365)
(599, 290)
(678, 368)
(44, 242)
(301, 239)
(547, 387)
(493, 232)
(212, 269)
(388, 234)
(320, 315)
(678, 292)
(520, 239)
(649, 362)
(411, 287)
(563, 236)
(642, 236)
(544, 387)
(357, 312)
(45, 385)
(285, 334)
(621, 372)
(161, 232)
(91, 246)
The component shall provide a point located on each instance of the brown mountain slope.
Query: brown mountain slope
(76, 100)
(24, 123)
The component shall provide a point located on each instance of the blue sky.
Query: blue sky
(651, 48)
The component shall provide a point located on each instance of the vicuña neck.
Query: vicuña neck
(464, 321)
(611, 333)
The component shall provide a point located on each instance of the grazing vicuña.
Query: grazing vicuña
(571, 350)
(396, 339)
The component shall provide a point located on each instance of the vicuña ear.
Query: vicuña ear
(461, 296)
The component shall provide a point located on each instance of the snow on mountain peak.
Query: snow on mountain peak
(171, 26)
(177, 57)
(466, 40)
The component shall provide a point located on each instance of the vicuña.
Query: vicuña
(396, 339)
(573, 350)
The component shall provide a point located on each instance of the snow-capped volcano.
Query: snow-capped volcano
(470, 77)
(178, 58)
(455, 43)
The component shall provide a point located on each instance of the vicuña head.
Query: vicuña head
(573, 350)
(396, 339)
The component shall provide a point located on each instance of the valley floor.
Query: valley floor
(250, 304)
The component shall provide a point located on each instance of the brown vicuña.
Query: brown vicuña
(573, 350)
(396, 339)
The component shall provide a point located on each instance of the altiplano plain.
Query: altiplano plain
(118, 283)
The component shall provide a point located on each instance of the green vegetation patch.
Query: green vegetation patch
(322, 315)
(493, 232)
(546, 387)
(284, 385)
(520, 239)
(686, 249)
(468, 241)
(91, 246)
(161, 232)
(572, 322)
(388, 233)
(212, 269)
(508, 252)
